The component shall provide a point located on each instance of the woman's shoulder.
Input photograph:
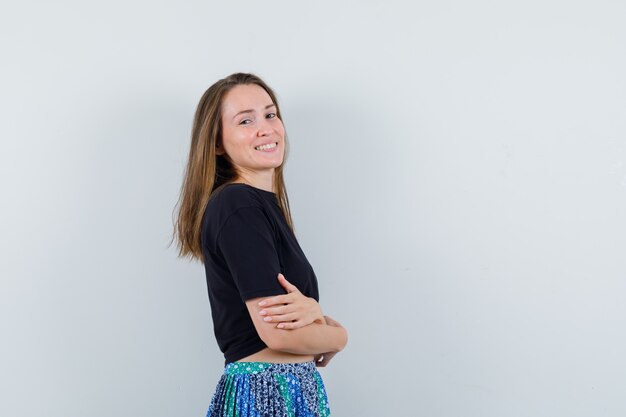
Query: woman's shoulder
(223, 203)
(230, 197)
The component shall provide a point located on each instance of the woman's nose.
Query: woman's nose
(265, 128)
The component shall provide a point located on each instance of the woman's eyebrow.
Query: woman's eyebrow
(251, 110)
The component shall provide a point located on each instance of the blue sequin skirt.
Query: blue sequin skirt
(265, 389)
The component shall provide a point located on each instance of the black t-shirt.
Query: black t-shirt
(246, 242)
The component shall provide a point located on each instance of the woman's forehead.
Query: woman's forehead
(244, 97)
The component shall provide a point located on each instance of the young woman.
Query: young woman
(234, 217)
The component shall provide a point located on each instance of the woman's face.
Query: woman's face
(249, 120)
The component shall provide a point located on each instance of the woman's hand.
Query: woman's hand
(322, 359)
(297, 310)
(331, 322)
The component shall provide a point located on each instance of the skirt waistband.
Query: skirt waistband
(237, 368)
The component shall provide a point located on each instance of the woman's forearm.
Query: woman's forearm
(313, 339)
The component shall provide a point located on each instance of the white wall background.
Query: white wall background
(457, 176)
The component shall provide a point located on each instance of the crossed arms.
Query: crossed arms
(310, 332)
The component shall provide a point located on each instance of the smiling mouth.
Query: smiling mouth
(267, 146)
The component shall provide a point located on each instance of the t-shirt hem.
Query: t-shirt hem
(235, 356)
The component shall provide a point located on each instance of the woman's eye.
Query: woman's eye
(248, 120)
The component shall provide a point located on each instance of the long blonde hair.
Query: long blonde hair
(207, 172)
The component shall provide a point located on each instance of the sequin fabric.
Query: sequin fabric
(265, 389)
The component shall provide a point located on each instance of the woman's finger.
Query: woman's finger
(291, 325)
(326, 357)
(277, 299)
(319, 360)
(282, 317)
(286, 284)
(277, 311)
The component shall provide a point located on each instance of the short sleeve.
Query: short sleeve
(246, 241)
